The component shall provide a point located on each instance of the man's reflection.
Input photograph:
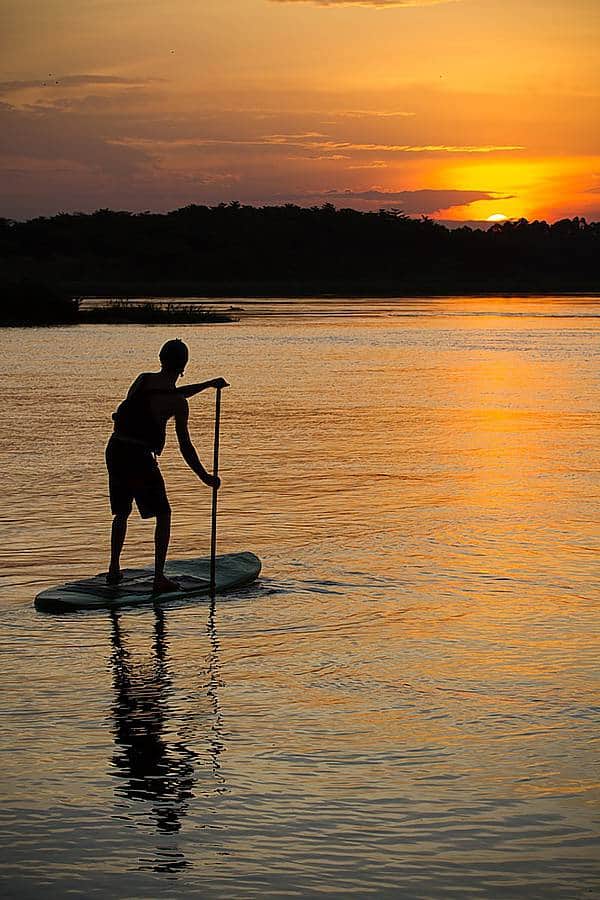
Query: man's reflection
(154, 768)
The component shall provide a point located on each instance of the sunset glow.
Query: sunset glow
(358, 103)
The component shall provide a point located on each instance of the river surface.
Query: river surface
(406, 704)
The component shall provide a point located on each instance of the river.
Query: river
(406, 704)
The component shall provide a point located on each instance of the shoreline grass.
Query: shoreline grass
(127, 312)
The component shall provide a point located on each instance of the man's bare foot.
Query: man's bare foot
(164, 585)
(113, 578)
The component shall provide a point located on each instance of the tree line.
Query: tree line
(234, 249)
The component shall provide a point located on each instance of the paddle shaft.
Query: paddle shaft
(213, 528)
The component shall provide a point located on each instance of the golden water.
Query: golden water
(406, 705)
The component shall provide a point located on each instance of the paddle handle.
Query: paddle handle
(213, 524)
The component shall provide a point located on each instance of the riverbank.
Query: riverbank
(34, 304)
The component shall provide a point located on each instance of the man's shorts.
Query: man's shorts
(133, 474)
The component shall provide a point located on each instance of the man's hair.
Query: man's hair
(174, 355)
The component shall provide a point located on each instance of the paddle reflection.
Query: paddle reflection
(153, 757)
(215, 744)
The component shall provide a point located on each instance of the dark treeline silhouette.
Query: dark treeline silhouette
(232, 249)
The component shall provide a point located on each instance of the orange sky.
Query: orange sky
(457, 109)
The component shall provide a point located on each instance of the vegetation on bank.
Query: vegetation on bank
(234, 250)
(126, 312)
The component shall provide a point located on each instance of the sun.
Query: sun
(497, 217)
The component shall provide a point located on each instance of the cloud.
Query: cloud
(437, 148)
(382, 4)
(336, 157)
(372, 113)
(7, 87)
(43, 134)
(317, 141)
(419, 202)
(376, 164)
(314, 140)
(116, 141)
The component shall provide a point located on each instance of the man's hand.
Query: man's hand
(219, 383)
(210, 480)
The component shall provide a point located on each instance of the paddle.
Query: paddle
(213, 529)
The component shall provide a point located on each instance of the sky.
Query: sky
(455, 109)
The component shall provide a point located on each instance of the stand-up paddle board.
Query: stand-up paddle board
(233, 570)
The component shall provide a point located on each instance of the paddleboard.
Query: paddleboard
(233, 570)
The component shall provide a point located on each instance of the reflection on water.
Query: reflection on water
(212, 690)
(406, 705)
(152, 768)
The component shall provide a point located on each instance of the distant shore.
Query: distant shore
(234, 251)
(139, 293)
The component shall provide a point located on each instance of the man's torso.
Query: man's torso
(142, 417)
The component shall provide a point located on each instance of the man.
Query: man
(138, 438)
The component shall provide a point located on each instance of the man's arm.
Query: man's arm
(188, 390)
(186, 447)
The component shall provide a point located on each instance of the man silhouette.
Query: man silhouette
(138, 438)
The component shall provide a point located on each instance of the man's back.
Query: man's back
(151, 401)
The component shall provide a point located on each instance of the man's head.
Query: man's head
(174, 356)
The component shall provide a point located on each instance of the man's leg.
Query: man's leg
(162, 533)
(117, 539)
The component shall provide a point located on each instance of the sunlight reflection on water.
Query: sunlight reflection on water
(405, 705)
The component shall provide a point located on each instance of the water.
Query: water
(406, 705)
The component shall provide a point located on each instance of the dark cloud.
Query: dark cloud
(47, 135)
(7, 87)
(420, 202)
(481, 224)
